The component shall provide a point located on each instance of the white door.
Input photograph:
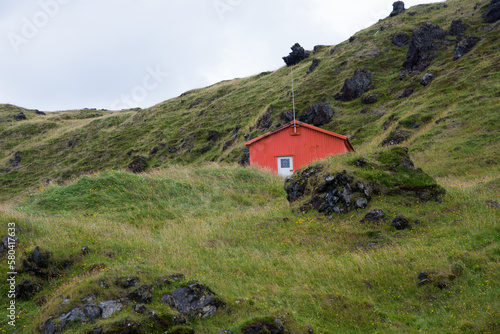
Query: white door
(285, 166)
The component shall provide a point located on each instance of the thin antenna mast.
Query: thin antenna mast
(293, 99)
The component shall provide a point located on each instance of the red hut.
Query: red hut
(295, 145)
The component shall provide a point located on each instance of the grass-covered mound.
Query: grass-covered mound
(166, 195)
(344, 183)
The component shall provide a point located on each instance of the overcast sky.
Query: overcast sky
(113, 54)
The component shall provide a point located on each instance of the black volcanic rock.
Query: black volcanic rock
(195, 299)
(396, 138)
(492, 15)
(318, 113)
(20, 117)
(296, 56)
(457, 28)
(313, 66)
(426, 79)
(400, 39)
(400, 223)
(139, 164)
(406, 93)
(355, 87)
(397, 8)
(465, 46)
(422, 46)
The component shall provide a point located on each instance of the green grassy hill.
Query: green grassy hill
(64, 185)
(457, 113)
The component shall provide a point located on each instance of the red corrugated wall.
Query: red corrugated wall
(305, 148)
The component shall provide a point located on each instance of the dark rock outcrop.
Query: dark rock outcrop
(245, 159)
(492, 14)
(295, 186)
(400, 223)
(141, 294)
(92, 311)
(286, 116)
(400, 39)
(318, 114)
(465, 46)
(18, 157)
(369, 99)
(457, 28)
(355, 87)
(396, 138)
(213, 136)
(265, 121)
(27, 289)
(138, 165)
(38, 112)
(376, 216)
(195, 299)
(20, 117)
(264, 326)
(426, 79)
(40, 258)
(422, 46)
(110, 307)
(296, 56)
(127, 282)
(314, 65)
(75, 315)
(337, 193)
(406, 93)
(397, 8)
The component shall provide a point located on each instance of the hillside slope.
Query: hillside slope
(451, 125)
(402, 236)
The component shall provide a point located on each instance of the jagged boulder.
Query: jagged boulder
(376, 216)
(141, 294)
(110, 307)
(370, 98)
(295, 187)
(245, 159)
(195, 299)
(400, 223)
(457, 28)
(492, 15)
(296, 56)
(127, 282)
(406, 93)
(138, 165)
(355, 87)
(264, 326)
(16, 160)
(397, 8)
(20, 117)
(396, 138)
(318, 113)
(465, 46)
(400, 39)
(314, 65)
(426, 79)
(92, 311)
(338, 193)
(422, 46)
(27, 289)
